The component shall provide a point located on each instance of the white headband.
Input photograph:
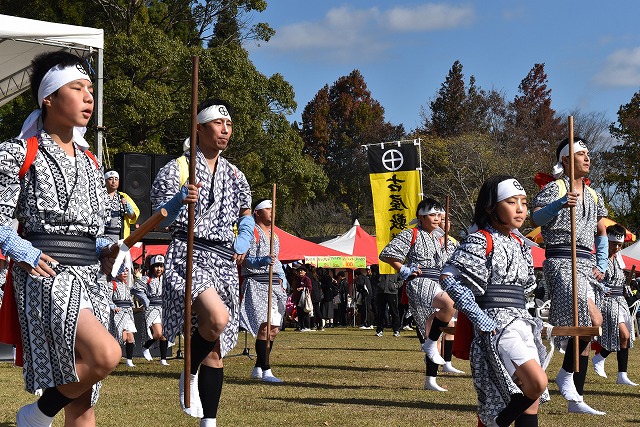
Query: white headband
(578, 146)
(618, 238)
(425, 211)
(212, 113)
(54, 79)
(509, 188)
(265, 204)
(111, 174)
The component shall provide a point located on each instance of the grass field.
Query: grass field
(339, 377)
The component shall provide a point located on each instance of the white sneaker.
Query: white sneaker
(598, 365)
(448, 367)
(31, 416)
(379, 334)
(579, 407)
(164, 362)
(130, 363)
(431, 348)
(256, 374)
(624, 379)
(195, 410)
(430, 384)
(396, 334)
(268, 377)
(147, 354)
(407, 328)
(564, 380)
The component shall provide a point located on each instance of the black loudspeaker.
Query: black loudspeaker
(135, 179)
(159, 160)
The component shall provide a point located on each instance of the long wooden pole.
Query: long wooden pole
(446, 222)
(574, 269)
(271, 253)
(191, 221)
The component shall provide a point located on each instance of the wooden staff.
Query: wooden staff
(136, 236)
(630, 276)
(271, 250)
(190, 226)
(574, 268)
(446, 223)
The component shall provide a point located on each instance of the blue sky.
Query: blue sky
(404, 49)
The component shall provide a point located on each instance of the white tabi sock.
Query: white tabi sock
(31, 416)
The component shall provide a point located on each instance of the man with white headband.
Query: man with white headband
(551, 210)
(489, 276)
(418, 256)
(60, 203)
(255, 287)
(222, 199)
(617, 324)
(124, 211)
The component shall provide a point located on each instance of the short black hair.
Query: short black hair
(565, 142)
(487, 200)
(428, 204)
(616, 229)
(46, 61)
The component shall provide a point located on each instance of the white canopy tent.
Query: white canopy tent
(632, 251)
(22, 39)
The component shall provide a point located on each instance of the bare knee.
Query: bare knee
(536, 386)
(214, 325)
(106, 359)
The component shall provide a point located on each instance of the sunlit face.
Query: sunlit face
(158, 269)
(431, 221)
(215, 134)
(71, 105)
(581, 162)
(614, 247)
(112, 184)
(263, 216)
(511, 212)
(124, 275)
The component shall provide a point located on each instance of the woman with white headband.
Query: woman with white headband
(617, 327)
(551, 211)
(60, 203)
(488, 277)
(222, 199)
(418, 256)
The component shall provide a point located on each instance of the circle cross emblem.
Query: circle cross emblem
(392, 160)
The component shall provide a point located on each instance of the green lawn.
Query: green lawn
(333, 378)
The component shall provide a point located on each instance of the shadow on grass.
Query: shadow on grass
(380, 402)
(350, 368)
(145, 374)
(361, 349)
(242, 381)
(7, 424)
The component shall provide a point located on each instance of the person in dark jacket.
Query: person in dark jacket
(387, 296)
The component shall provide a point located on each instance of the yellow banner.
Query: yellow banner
(395, 198)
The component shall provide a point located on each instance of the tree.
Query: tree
(335, 124)
(448, 108)
(148, 50)
(623, 173)
(532, 124)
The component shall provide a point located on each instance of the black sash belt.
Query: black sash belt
(67, 250)
(616, 292)
(564, 251)
(502, 297)
(123, 303)
(113, 231)
(430, 273)
(155, 301)
(217, 247)
(264, 278)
